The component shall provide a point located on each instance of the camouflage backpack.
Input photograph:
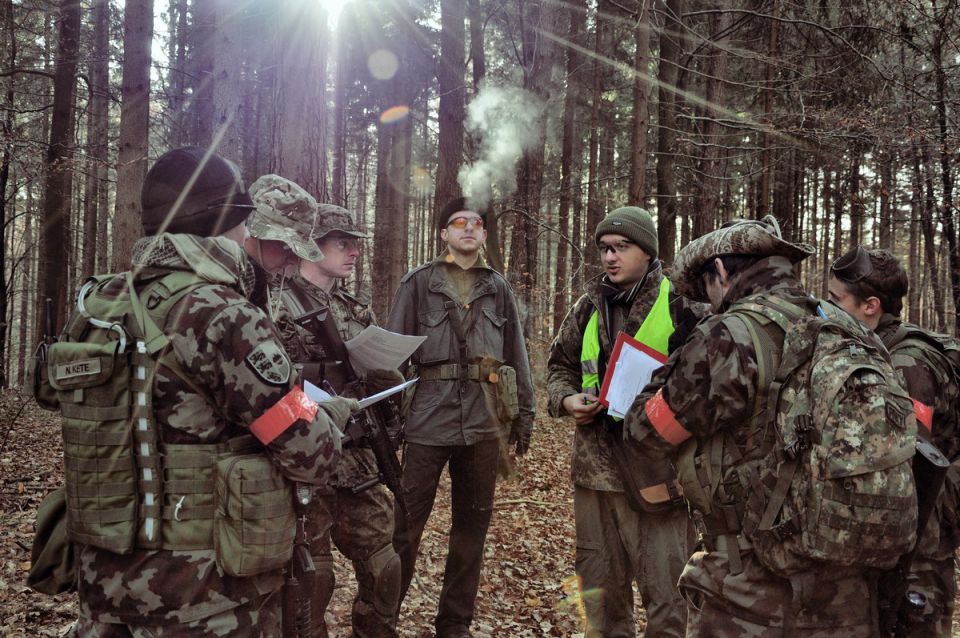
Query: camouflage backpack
(942, 354)
(835, 486)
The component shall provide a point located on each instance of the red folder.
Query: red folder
(624, 338)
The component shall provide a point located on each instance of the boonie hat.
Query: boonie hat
(285, 212)
(332, 218)
(761, 238)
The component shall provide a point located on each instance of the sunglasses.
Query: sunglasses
(462, 222)
(853, 266)
(618, 247)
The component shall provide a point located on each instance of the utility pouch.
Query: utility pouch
(53, 567)
(254, 524)
(92, 384)
(36, 381)
(508, 406)
(648, 486)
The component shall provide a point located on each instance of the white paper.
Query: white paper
(633, 370)
(315, 393)
(319, 395)
(378, 349)
(373, 398)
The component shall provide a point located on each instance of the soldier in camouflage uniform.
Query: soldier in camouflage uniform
(708, 389)
(354, 509)
(469, 315)
(617, 544)
(232, 369)
(870, 285)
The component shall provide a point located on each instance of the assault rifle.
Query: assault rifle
(299, 582)
(372, 426)
(899, 605)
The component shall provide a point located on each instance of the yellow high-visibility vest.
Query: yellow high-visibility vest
(654, 332)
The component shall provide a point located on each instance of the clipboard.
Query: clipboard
(641, 369)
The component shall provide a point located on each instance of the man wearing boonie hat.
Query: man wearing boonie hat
(475, 393)
(706, 399)
(631, 526)
(354, 511)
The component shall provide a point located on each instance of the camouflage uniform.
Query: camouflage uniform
(616, 544)
(360, 524)
(216, 335)
(707, 389)
(929, 379)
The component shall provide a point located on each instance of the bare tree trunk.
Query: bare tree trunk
(594, 205)
(923, 176)
(452, 107)
(641, 106)
(887, 227)
(856, 203)
(345, 32)
(569, 159)
(666, 131)
(773, 51)
(134, 128)
(228, 107)
(477, 56)
(300, 151)
(201, 59)
(59, 186)
(97, 135)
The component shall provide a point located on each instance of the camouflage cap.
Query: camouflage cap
(285, 212)
(761, 238)
(332, 218)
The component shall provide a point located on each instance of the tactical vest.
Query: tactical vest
(126, 488)
(654, 332)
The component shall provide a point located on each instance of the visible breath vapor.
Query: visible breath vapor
(505, 119)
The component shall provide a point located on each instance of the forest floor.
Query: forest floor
(528, 570)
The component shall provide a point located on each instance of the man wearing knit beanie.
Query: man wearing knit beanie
(630, 521)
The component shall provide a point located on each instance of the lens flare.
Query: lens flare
(394, 114)
(382, 64)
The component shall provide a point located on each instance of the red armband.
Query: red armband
(924, 414)
(284, 413)
(664, 421)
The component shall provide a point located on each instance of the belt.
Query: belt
(451, 371)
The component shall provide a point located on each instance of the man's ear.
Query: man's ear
(443, 234)
(722, 275)
(872, 307)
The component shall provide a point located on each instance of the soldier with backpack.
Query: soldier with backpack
(792, 439)
(870, 285)
(182, 435)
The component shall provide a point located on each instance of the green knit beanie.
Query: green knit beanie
(635, 224)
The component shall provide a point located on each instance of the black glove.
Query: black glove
(520, 435)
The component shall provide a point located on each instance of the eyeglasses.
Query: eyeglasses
(853, 266)
(462, 222)
(343, 244)
(617, 247)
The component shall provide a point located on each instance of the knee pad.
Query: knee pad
(384, 567)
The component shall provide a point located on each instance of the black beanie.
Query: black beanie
(215, 201)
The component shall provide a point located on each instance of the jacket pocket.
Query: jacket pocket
(489, 334)
(435, 326)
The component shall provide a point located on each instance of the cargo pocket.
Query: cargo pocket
(435, 325)
(254, 524)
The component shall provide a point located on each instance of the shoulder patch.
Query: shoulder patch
(270, 362)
